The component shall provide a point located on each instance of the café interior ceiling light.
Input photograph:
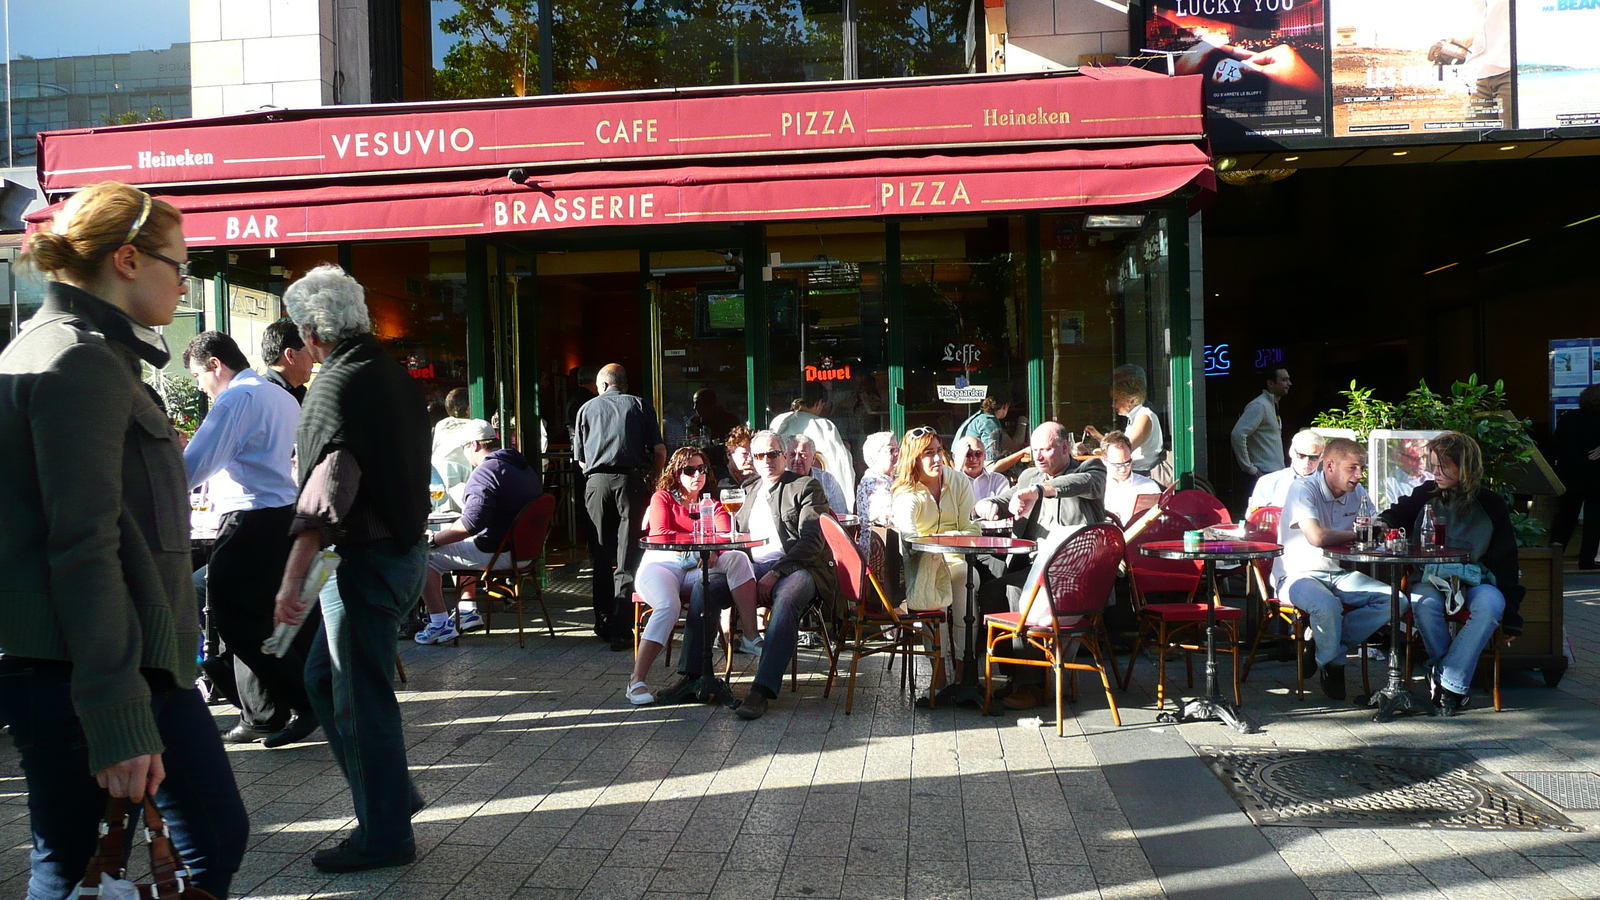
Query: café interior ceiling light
(1401, 152)
(1113, 222)
(1290, 158)
(1441, 268)
(1253, 177)
(1509, 147)
(1226, 163)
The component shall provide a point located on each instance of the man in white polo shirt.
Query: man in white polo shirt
(1345, 607)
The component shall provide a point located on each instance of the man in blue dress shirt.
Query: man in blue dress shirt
(242, 451)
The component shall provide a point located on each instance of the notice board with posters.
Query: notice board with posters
(1264, 61)
(1351, 69)
(1420, 67)
(1558, 63)
(1572, 368)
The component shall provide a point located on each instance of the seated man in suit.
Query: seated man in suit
(793, 569)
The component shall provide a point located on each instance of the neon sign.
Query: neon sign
(840, 374)
(1216, 359)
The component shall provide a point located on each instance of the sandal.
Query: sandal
(639, 694)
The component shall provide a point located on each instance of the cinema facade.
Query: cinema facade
(907, 245)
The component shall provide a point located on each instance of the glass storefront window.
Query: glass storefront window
(417, 297)
(255, 279)
(1105, 305)
(828, 324)
(697, 343)
(898, 39)
(965, 320)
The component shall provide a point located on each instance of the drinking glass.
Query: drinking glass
(733, 501)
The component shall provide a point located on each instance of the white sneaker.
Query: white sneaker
(639, 694)
(437, 634)
(468, 620)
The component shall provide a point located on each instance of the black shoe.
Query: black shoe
(682, 692)
(245, 734)
(754, 705)
(1333, 681)
(1450, 702)
(300, 726)
(344, 859)
(1435, 689)
(621, 642)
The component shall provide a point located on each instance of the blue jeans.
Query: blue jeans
(349, 678)
(199, 798)
(1457, 658)
(1325, 597)
(790, 597)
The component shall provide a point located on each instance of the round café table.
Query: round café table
(1209, 553)
(968, 690)
(710, 685)
(1393, 699)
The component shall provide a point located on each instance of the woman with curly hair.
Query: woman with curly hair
(1470, 517)
(741, 467)
(664, 574)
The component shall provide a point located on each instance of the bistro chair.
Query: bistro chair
(871, 625)
(1075, 583)
(1169, 623)
(815, 618)
(515, 565)
(1415, 647)
(642, 611)
(1262, 525)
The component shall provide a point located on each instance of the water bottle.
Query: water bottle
(708, 516)
(1363, 526)
(1426, 530)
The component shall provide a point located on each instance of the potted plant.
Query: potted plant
(1479, 410)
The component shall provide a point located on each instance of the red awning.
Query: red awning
(988, 184)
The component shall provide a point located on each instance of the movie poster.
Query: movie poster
(1264, 61)
(1420, 67)
(1558, 63)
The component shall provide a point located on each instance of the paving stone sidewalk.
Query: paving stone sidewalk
(544, 783)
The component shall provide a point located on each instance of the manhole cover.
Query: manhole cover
(1568, 790)
(1377, 788)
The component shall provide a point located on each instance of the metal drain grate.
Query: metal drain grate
(1377, 788)
(1568, 790)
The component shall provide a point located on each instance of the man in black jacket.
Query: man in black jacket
(793, 569)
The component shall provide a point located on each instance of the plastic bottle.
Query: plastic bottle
(708, 516)
(1364, 513)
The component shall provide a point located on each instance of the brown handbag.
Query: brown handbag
(170, 878)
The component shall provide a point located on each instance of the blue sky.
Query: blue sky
(50, 28)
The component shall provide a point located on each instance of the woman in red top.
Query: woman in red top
(663, 575)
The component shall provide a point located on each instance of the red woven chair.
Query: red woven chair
(871, 624)
(1169, 621)
(1079, 575)
(1262, 525)
(515, 564)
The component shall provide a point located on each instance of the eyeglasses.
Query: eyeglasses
(182, 267)
(1311, 456)
(768, 455)
(696, 470)
(1121, 465)
(920, 432)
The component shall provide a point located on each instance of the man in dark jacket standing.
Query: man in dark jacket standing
(617, 443)
(362, 451)
(793, 569)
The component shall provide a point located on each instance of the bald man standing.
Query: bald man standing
(617, 442)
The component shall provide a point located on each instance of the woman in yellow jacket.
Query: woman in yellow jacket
(933, 497)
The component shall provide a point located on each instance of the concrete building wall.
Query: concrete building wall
(1059, 34)
(293, 54)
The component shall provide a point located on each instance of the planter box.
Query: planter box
(1540, 646)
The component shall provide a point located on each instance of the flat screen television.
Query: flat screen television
(720, 312)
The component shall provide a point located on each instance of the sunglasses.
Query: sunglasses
(921, 432)
(974, 454)
(696, 470)
(1299, 455)
(1121, 465)
(769, 455)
